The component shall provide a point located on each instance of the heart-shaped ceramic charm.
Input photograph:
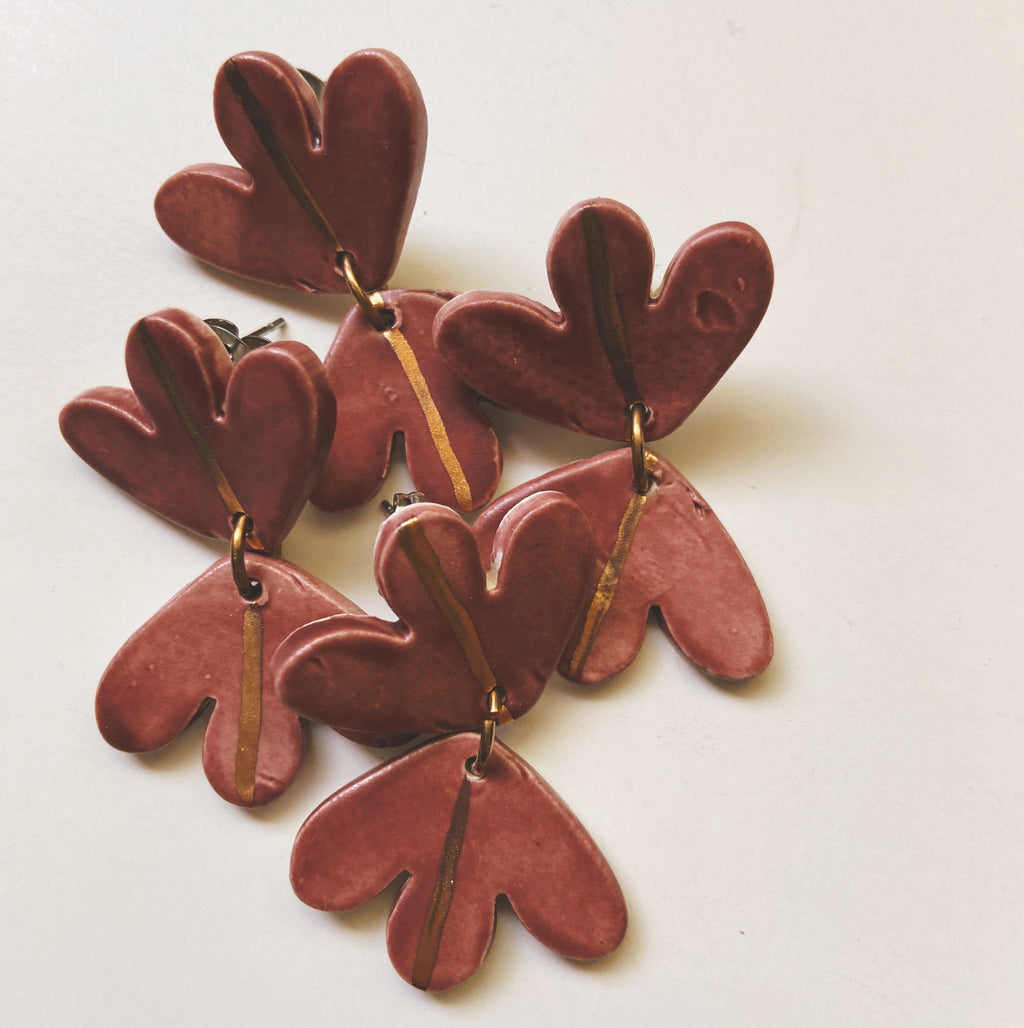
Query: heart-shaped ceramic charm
(613, 344)
(457, 638)
(208, 643)
(199, 439)
(313, 182)
(664, 550)
(464, 841)
(394, 381)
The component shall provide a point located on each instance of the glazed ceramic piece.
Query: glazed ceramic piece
(611, 344)
(312, 182)
(666, 550)
(395, 381)
(199, 440)
(208, 643)
(456, 638)
(464, 841)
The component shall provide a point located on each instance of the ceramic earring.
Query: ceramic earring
(228, 451)
(616, 361)
(321, 203)
(465, 817)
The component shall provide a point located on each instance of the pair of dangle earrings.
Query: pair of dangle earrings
(229, 437)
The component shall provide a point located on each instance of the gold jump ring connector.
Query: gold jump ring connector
(371, 303)
(495, 700)
(638, 413)
(248, 588)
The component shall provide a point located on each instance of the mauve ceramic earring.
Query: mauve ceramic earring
(321, 202)
(462, 815)
(614, 362)
(228, 451)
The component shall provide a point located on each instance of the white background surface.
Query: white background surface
(840, 842)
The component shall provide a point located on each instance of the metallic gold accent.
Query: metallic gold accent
(444, 891)
(495, 708)
(638, 413)
(605, 592)
(248, 588)
(372, 303)
(203, 449)
(424, 560)
(277, 152)
(250, 704)
(611, 328)
(438, 433)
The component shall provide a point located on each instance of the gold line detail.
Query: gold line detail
(250, 705)
(444, 891)
(424, 560)
(611, 328)
(438, 433)
(277, 152)
(605, 592)
(203, 449)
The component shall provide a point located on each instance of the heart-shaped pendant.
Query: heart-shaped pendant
(313, 183)
(612, 344)
(200, 440)
(457, 638)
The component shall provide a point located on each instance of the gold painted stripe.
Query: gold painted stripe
(250, 707)
(444, 891)
(611, 327)
(277, 151)
(425, 563)
(438, 433)
(203, 449)
(608, 581)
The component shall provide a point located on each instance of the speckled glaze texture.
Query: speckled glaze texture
(456, 638)
(611, 344)
(198, 439)
(388, 384)
(464, 842)
(671, 553)
(311, 181)
(199, 647)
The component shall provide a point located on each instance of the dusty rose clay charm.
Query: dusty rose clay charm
(663, 549)
(313, 182)
(464, 841)
(198, 439)
(619, 363)
(230, 451)
(211, 644)
(457, 638)
(612, 344)
(392, 380)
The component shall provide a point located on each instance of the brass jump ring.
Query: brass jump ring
(478, 768)
(248, 588)
(638, 413)
(371, 303)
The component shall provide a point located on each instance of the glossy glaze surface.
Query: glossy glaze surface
(610, 343)
(313, 180)
(666, 550)
(464, 842)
